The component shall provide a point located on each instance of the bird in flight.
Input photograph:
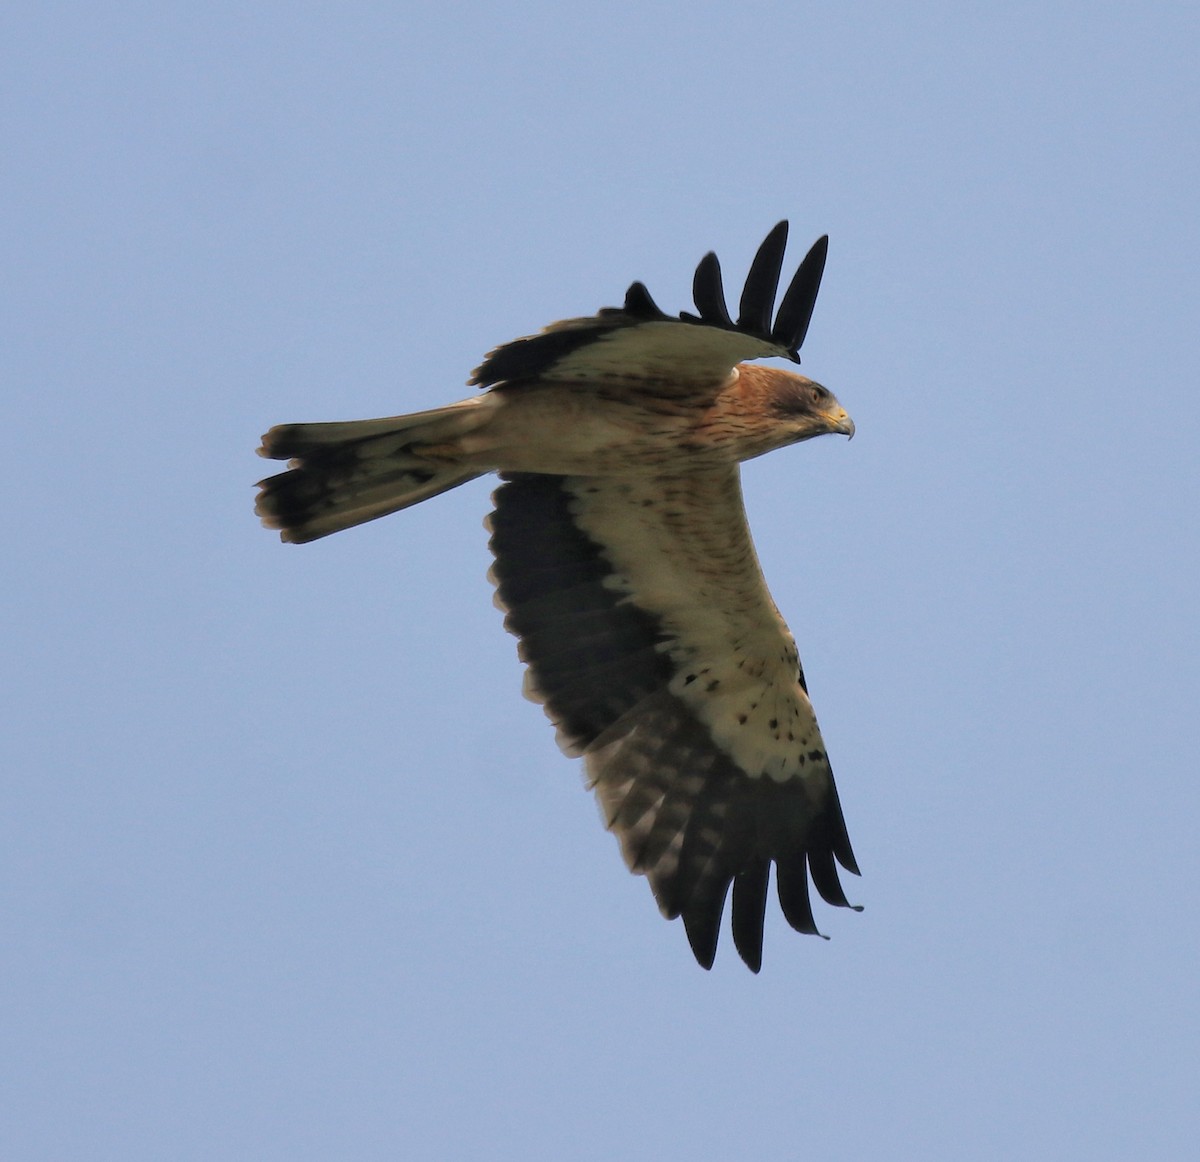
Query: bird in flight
(625, 568)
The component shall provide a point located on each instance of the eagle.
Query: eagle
(624, 566)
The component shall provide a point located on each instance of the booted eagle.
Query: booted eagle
(625, 568)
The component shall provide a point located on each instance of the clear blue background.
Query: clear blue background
(291, 871)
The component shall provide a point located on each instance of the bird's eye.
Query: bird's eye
(816, 394)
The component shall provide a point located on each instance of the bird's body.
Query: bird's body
(625, 564)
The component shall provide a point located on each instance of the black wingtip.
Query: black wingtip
(839, 838)
(749, 912)
(640, 305)
(709, 293)
(758, 295)
(795, 312)
(791, 882)
(762, 283)
(825, 878)
(703, 933)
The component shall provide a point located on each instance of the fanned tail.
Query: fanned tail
(344, 474)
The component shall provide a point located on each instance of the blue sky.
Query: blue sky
(288, 867)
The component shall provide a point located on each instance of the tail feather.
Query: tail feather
(344, 474)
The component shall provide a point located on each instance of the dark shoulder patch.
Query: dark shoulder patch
(528, 358)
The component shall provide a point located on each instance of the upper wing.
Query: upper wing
(639, 341)
(655, 646)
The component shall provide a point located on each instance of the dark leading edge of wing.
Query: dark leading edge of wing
(535, 356)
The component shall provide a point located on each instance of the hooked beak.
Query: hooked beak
(841, 423)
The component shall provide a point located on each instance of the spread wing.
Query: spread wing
(653, 643)
(640, 341)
